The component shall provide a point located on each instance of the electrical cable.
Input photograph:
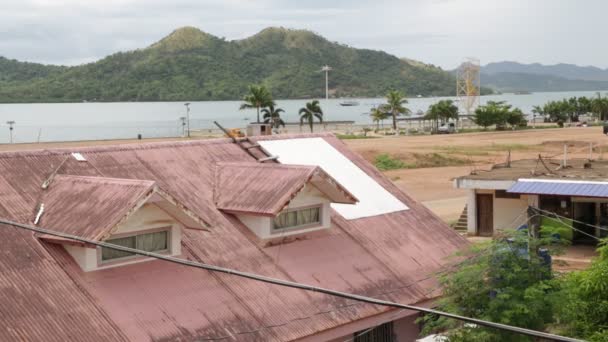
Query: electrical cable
(292, 284)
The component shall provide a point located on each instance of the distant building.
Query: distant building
(499, 198)
(322, 216)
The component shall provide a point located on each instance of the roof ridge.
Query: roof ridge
(107, 179)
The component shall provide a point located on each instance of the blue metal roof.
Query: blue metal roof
(560, 187)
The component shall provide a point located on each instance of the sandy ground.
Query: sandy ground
(434, 186)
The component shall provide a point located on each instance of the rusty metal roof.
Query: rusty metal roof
(265, 189)
(90, 206)
(45, 295)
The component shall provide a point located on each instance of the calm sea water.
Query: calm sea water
(89, 121)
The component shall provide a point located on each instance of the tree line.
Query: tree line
(571, 109)
(260, 98)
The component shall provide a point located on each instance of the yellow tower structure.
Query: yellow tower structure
(468, 84)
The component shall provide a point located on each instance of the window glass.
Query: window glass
(296, 218)
(111, 254)
(150, 242)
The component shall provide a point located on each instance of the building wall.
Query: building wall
(510, 213)
(405, 330)
(309, 196)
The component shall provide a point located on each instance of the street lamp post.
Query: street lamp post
(326, 69)
(10, 128)
(187, 104)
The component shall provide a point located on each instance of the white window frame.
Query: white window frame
(274, 230)
(101, 262)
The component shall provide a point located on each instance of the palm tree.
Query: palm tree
(378, 115)
(259, 97)
(310, 112)
(395, 101)
(443, 110)
(599, 106)
(273, 116)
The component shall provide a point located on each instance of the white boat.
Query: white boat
(348, 103)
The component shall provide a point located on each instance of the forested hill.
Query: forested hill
(192, 65)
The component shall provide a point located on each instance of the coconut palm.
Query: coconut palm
(395, 101)
(378, 115)
(273, 116)
(443, 110)
(310, 112)
(259, 97)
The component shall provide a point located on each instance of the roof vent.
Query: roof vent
(79, 157)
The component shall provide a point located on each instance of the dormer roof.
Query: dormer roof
(92, 207)
(265, 189)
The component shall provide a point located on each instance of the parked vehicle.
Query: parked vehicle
(447, 128)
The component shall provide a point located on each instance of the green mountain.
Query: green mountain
(192, 65)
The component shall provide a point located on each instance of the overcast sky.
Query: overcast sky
(442, 32)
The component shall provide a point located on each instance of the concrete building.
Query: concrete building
(499, 198)
(316, 213)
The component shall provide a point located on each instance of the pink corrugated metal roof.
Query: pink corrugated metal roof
(90, 206)
(388, 256)
(265, 189)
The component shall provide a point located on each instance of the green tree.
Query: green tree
(311, 111)
(378, 115)
(583, 300)
(443, 111)
(599, 106)
(497, 282)
(516, 118)
(273, 116)
(259, 97)
(493, 113)
(395, 101)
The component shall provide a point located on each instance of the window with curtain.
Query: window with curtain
(149, 242)
(298, 218)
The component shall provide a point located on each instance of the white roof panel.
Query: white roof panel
(373, 198)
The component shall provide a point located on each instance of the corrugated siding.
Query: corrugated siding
(389, 256)
(258, 188)
(560, 188)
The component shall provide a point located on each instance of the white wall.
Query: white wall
(510, 213)
(309, 196)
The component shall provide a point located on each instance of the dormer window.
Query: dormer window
(157, 242)
(278, 200)
(124, 212)
(298, 218)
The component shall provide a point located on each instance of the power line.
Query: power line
(573, 220)
(292, 284)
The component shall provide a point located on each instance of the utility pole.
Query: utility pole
(326, 69)
(10, 128)
(187, 104)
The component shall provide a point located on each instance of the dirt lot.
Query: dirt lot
(433, 186)
(462, 153)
